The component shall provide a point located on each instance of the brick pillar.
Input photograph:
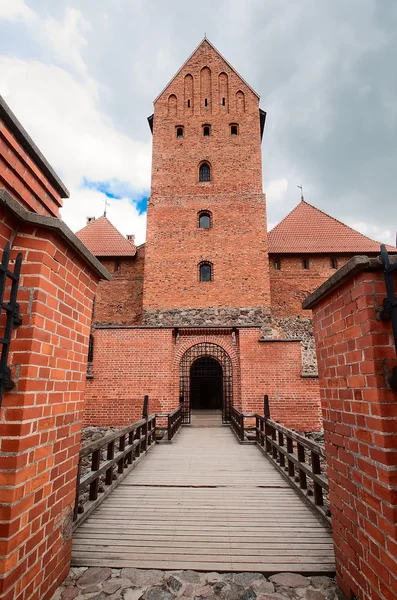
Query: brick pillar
(356, 351)
(40, 419)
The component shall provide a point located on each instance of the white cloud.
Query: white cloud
(13, 10)
(63, 117)
(66, 37)
(382, 235)
(124, 215)
(276, 190)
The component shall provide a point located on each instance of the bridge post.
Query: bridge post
(356, 360)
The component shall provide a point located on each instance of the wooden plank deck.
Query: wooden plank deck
(205, 503)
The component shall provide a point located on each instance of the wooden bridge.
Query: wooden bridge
(206, 503)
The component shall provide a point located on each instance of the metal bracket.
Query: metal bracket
(389, 311)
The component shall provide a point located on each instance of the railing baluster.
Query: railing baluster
(302, 474)
(318, 490)
(95, 462)
(281, 444)
(290, 450)
(110, 456)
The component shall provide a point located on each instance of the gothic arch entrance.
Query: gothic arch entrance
(206, 380)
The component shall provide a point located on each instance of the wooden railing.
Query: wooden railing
(174, 422)
(239, 426)
(297, 458)
(104, 463)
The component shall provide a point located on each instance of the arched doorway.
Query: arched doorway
(206, 385)
(206, 380)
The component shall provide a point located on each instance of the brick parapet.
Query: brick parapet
(40, 419)
(355, 351)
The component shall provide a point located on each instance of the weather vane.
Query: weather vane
(301, 189)
(106, 205)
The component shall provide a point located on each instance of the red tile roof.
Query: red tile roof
(103, 239)
(306, 229)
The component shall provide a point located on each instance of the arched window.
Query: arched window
(206, 130)
(179, 132)
(204, 219)
(234, 129)
(205, 172)
(91, 348)
(205, 271)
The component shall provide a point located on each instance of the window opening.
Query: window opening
(117, 266)
(179, 132)
(205, 172)
(234, 129)
(334, 263)
(305, 263)
(206, 102)
(205, 272)
(204, 220)
(91, 349)
(277, 264)
(223, 101)
(206, 130)
(188, 103)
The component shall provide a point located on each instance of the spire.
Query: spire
(301, 189)
(106, 205)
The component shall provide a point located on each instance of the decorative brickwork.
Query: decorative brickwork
(356, 352)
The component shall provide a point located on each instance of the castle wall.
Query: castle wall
(119, 301)
(131, 362)
(291, 284)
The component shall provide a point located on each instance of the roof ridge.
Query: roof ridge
(341, 223)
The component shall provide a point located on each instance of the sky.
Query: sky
(81, 76)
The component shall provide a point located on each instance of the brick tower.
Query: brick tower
(206, 253)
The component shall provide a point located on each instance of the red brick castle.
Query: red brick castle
(209, 309)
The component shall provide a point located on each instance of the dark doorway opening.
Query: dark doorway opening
(206, 384)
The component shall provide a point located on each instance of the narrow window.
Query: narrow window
(233, 129)
(179, 132)
(91, 349)
(206, 130)
(223, 101)
(205, 172)
(204, 220)
(305, 263)
(277, 264)
(205, 272)
(117, 266)
(188, 103)
(334, 263)
(206, 102)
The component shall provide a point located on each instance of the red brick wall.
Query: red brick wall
(40, 419)
(354, 348)
(21, 177)
(129, 363)
(275, 368)
(290, 285)
(120, 299)
(236, 243)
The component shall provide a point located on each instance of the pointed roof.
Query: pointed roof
(103, 239)
(206, 41)
(306, 229)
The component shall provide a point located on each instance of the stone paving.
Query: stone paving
(139, 584)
